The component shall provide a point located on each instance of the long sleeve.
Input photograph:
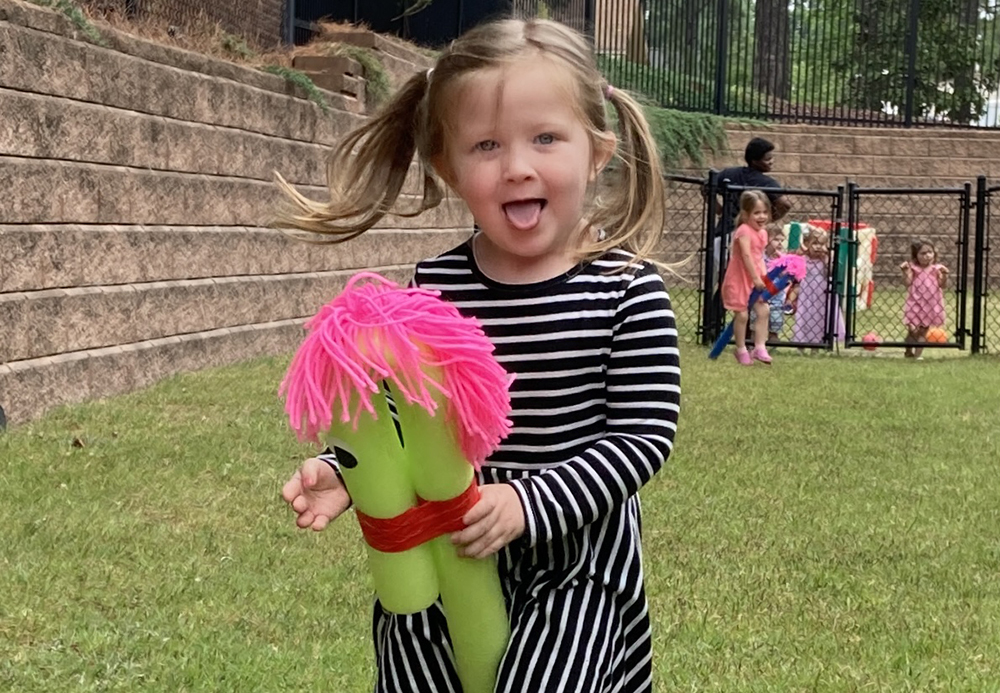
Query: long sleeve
(642, 406)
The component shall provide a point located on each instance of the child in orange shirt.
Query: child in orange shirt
(745, 272)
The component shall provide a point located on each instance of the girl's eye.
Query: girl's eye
(546, 138)
(487, 145)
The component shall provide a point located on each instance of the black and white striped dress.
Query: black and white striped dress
(595, 404)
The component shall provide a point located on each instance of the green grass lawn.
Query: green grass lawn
(827, 524)
(884, 318)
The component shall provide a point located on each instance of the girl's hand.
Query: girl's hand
(316, 494)
(905, 266)
(492, 523)
(758, 283)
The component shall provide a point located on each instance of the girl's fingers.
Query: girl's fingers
(305, 519)
(470, 534)
(486, 546)
(300, 504)
(477, 512)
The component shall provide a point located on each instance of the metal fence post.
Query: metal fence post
(911, 60)
(963, 274)
(978, 264)
(835, 285)
(722, 57)
(708, 242)
(290, 22)
(850, 310)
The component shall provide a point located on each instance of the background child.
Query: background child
(776, 304)
(513, 119)
(924, 307)
(745, 272)
(812, 297)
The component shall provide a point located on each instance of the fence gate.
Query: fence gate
(812, 318)
(883, 225)
(683, 244)
(986, 275)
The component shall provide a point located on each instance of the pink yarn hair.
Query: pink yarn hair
(377, 331)
(795, 265)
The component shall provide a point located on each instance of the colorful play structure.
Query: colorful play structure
(862, 255)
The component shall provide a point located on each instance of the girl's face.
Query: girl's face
(817, 248)
(759, 216)
(925, 256)
(774, 244)
(519, 156)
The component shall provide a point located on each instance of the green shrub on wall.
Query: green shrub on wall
(75, 15)
(302, 79)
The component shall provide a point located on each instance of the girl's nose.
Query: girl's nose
(517, 165)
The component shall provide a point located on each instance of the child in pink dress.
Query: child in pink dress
(812, 298)
(745, 272)
(924, 307)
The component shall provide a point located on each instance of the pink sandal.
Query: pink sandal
(743, 356)
(760, 354)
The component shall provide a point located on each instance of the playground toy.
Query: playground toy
(863, 291)
(407, 458)
(871, 341)
(936, 335)
(781, 272)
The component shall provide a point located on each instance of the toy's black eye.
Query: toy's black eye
(345, 458)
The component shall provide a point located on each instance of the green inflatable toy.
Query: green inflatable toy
(379, 350)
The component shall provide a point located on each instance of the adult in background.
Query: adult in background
(759, 155)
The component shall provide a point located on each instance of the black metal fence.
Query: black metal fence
(430, 24)
(891, 300)
(986, 274)
(860, 290)
(877, 62)
(683, 249)
(880, 62)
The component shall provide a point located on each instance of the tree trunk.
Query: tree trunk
(638, 50)
(772, 56)
(965, 110)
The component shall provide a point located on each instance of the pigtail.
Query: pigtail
(633, 211)
(366, 173)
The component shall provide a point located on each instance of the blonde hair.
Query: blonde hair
(817, 236)
(748, 203)
(367, 169)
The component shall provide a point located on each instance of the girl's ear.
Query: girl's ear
(605, 145)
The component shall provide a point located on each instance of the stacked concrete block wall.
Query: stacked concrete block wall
(134, 229)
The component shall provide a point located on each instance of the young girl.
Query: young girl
(775, 304)
(513, 118)
(745, 272)
(811, 297)
(924, 307)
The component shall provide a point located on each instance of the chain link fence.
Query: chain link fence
(805, 315)
(907, 287)
(683, 249)
(989, 312)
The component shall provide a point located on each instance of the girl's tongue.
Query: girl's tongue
(523, 214)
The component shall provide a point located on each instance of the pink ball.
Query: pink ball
(871, 341)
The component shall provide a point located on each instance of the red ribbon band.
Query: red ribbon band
(421, 523)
